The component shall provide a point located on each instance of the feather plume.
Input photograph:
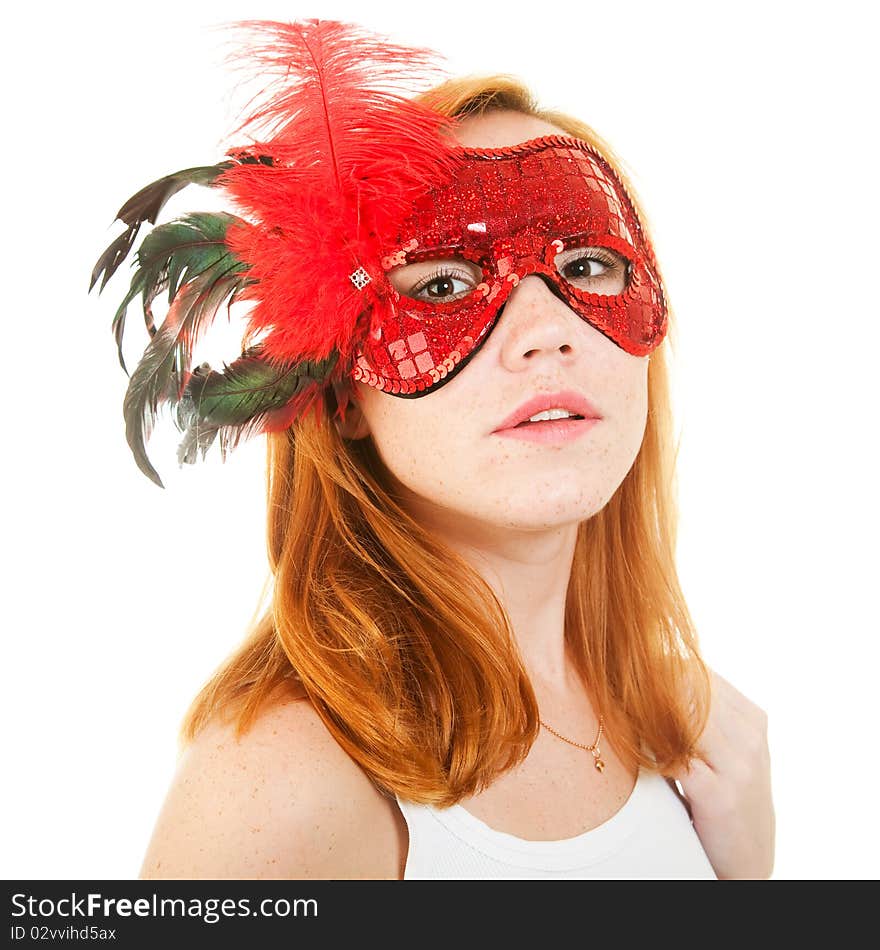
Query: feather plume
(344, 154)
(145, 206)
(350, 154)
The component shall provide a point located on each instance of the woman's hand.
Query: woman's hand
(728, 787)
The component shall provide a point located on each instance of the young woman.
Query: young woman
(478, 661)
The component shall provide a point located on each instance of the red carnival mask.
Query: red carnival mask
(512, 212)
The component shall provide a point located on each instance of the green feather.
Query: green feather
(189, 259)
(165, 365)
(170, 255)
(145, 206)
(242, 399)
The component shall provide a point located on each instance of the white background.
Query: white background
(748, 133)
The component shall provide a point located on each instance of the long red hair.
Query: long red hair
(404, 650)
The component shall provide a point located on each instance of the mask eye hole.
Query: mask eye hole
(437, 280)
(595, 269)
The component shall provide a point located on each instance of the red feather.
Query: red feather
(350, 153)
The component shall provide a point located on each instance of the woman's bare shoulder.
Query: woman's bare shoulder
(283, 801)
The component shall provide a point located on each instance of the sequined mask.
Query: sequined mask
(509, 213)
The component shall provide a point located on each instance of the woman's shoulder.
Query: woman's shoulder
(282, 801)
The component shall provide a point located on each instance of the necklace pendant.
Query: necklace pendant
(600, 765)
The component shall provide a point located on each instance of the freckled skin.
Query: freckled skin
(459, 478)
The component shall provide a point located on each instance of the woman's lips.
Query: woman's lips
(550, 431)
(570, 400)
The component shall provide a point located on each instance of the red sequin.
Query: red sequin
(511, 211)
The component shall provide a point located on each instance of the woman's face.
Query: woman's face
(442, 447)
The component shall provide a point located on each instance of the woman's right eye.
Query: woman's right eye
(445, 281)
(441, 286)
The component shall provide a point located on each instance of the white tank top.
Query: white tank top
(651, 836)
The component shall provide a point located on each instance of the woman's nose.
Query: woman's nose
(536, 316)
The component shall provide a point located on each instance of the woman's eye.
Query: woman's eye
(585, 267)
(602, 270)
(441, 287)
(438, 281)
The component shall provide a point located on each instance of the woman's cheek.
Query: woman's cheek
(412, 449)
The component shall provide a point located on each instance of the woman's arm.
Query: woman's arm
(728, 788)
(283, 802)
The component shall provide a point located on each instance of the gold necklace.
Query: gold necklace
(594, 748)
